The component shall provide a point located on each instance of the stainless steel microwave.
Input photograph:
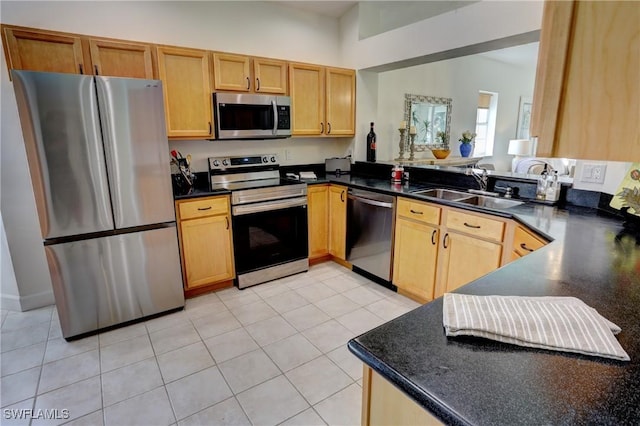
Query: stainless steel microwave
(248, 116)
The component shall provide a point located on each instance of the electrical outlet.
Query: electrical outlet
(593, 173)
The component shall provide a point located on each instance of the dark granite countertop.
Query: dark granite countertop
(477, 381)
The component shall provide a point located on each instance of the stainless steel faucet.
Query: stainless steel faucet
(482, 179)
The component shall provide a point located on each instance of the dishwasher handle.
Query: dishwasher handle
(370, 201)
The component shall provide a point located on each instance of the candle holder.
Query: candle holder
(402, 146)
(412, 147)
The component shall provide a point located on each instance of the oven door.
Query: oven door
(269, 234)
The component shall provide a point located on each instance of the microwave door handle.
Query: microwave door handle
(275, 117)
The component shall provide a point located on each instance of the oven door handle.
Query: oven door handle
(268, 205)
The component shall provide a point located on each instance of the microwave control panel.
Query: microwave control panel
(284, 117)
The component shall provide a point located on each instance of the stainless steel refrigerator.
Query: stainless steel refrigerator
(99, 163)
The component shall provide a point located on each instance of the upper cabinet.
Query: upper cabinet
(586, 102)
(120, 59)
(322, 100)
(185, 75)
(340, 102)
(240, 73)
(43, 51)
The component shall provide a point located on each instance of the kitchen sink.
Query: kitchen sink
(445, 194)
(491, 202)
(468, 198)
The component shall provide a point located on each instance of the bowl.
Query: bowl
(441, 154)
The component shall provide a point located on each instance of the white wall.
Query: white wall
(614, 174)
(460, 79)
(253, 28)
(8, 284)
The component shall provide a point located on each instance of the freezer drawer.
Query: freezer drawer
(107, 281)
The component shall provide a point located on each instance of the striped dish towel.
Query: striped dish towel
(554, 323)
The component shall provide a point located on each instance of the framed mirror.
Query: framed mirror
(429, 115)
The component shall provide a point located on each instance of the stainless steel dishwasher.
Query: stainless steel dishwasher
(369, 233)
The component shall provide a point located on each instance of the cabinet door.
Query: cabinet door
(206, 250)
(43, 51)
(415, 258)
(270, 76)
(306, 89)
(231, 72)
(187, 92)
(340, 102)
(466, 258)
(583, 105)
(318, 211)
(121, 59)
(338, 221)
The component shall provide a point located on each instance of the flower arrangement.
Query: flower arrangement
(442, 136)
(467, 136)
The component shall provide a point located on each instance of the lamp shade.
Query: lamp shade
(521, 147)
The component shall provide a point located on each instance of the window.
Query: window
(485, 123)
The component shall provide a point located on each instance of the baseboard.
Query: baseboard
(27, 303)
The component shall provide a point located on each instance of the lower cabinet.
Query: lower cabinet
(338, 221)
(524, 242)
(204, 226)
(384, 404)
(318, 216)
(415, 258)
(438, 249)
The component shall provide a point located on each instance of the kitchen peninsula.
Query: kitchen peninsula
(477, 381)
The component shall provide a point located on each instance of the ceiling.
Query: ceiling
(332, 9)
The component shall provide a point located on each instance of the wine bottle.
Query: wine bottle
(371, 145)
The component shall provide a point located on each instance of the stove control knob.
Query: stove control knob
(216, 163)
(265, 160)
(225, 163)
(273, 159)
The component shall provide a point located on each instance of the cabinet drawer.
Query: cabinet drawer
(477, 226)
(203, 207)
(419, 211)
(524, 242)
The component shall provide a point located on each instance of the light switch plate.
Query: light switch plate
(593, 173)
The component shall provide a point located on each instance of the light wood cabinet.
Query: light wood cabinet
(240, 73)
(586, 102)
(270, 76)
(322, 100)
(415, 254)
(43, 51)
(318, 216)
(340, 102)
(383, 404)
(338, 221)
(525, 242)
(204, 226)
(118, 59)
(471, 247)
(186, 81)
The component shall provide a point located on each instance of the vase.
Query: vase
(465, 149)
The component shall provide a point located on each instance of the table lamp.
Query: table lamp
(520, 148)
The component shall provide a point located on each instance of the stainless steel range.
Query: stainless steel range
(269, 216)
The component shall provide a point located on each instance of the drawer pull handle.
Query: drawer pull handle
(444, 240)
(342, 196)
(204, 208)
(416, 211)
(328, 128)
(433, 237)
(226, 218)
(523, 246)
(472, 226)
(258, 86)
(248, 83)
(81, 68)
(321, 127)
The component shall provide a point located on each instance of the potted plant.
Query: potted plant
(466, 139)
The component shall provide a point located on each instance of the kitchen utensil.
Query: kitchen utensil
(337, 165)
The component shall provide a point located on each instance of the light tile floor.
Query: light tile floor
(270, 354)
